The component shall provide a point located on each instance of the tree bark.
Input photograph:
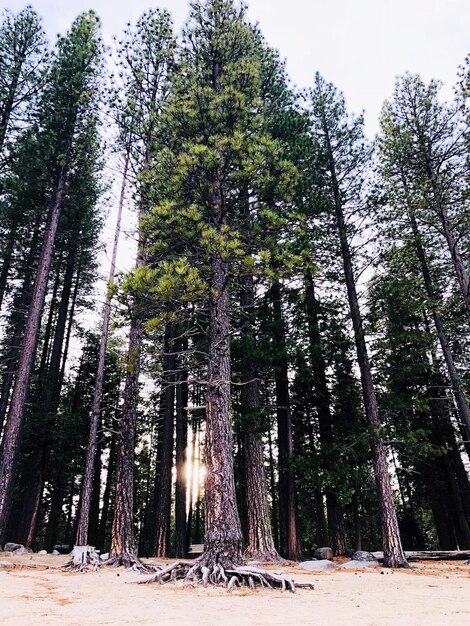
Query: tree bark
(223, 540)
(181, 460)
(87, 479)
(289, 543)
(260, 543)
(48, 405)
(337, 535)
(393, 550)
(17, 320)
(166, 437)
(122, 532)
(459, 395)
(13, 426)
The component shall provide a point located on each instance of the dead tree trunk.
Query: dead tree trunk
(393, 550)
(13, 426)
(87, 480)
(260, 544)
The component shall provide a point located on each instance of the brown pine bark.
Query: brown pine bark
(86, 491)
(101, 534)
(289, 543)
(39, 457)
(335, 516)
(17, 320)
(394, 555)
(223, 541)
(13, 426)
(123, 548)
(165, 447)
(260, 543)
(181, 468)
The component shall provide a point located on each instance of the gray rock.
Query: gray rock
(362, 555)
(105, 556)
(17, 548)
(42, 552)
(323, 565)
(358, 564)
(324, 553)
(6, 565)
(55, 553)
(6, 554)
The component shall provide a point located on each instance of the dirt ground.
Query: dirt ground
(36, 591)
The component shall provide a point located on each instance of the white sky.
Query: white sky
(360, 45)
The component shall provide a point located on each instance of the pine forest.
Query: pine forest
(284, 362)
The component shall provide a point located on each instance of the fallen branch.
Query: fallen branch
(428, 555)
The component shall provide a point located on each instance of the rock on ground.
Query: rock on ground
(105, 556)
(55, 553)
(362, 555)
(17, 548)
(318, 566)
(354, 564)
(324, 553)
(42, 552)
(6, 565)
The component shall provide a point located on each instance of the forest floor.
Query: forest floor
(36, 591)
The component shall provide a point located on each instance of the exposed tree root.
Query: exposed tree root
(129, 561)
(83, 557)
(244, 575)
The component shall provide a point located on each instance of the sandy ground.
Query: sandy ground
(37, 592)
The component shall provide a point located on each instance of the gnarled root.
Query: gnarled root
(230, 577)
(164, 574)
(252, 576)
(82, 558)
(129, 561)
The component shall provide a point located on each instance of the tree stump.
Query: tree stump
(82, 557)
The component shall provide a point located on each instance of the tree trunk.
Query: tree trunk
(48, 405)
(181, 460)
(452, 241)
(289, 544)
(260, 544)
(273, 492)
(87, 480)
(191, 480)
(337, 535)
(393, 550)
(166, 437)
(459, 395)
(17, 320)
(101, 535)
(12, 433)
(122, 532)
(223, 541)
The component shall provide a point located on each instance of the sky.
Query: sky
(360, 45)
